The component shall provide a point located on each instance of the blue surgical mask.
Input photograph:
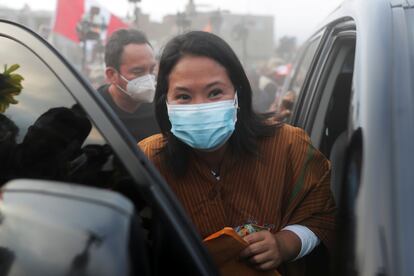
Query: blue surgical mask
(205, 126)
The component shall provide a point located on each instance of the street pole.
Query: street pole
(137, 11)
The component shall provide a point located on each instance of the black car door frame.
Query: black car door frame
(143, 172)
(310, 90)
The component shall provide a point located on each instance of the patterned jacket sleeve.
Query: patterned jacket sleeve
(309, 201)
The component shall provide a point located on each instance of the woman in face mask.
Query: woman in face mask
(231, 167)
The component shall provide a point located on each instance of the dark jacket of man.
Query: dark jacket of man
(141, 123)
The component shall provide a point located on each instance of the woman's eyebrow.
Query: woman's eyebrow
(213, 84)
(181, 88)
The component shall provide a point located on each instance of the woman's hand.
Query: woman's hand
(267, 251)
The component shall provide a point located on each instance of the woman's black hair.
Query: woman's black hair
(249, 126)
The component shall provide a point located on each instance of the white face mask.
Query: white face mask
(141, 89)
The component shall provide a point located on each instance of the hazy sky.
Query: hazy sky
(292, 17)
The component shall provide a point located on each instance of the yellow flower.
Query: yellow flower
(10, 86)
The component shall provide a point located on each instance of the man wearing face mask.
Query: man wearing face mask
(130, 64)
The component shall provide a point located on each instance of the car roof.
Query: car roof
(402, 2)
(359, 9)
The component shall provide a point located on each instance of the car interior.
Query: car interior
(329, 133)
(329, 111)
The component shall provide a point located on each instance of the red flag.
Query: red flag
(115, 24)
(208, 28)
(70, 12)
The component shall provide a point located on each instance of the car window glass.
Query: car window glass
(303, 68)
(288, 99)
(45, 133)
(332, 109)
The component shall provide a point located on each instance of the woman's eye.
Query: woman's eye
(183, 97)
(215, 93)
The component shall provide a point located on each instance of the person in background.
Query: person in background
(264, 89)
(130, 64)
(92, 25)
(283, 111)
(230, 166)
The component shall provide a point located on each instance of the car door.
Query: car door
(58, 129)
(360, 114)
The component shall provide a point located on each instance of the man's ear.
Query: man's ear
(111, 75)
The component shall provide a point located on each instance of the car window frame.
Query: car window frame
(288, 84)
(313, 78)
(303, 55)
(318, 107)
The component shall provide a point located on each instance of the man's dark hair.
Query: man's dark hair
(116, 43)
(249, 126)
